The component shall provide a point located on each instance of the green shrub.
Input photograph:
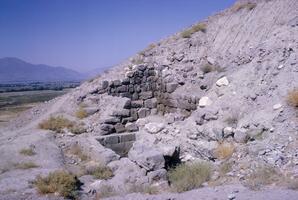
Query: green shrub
(293, 97)
(61, 182)
(189, 176)
(27, 152)
(196, 28)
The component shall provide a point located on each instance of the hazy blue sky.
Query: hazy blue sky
(86, 34)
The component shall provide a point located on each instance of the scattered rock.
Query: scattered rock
(131, 127)
(277, 106)
(146, 157)
(241, 135)
(154, 128)
(205, 101)
(222, 82)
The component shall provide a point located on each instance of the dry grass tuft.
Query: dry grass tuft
(293, 97)
(189, 176)
(26, 165)
(106, 191)
(224, 150)
(56, 124)
(224, 168)
(239, 6)
(233, 117)
(293, 184)
(149, 189)
(77, 129)
(196, 28)
(137, 61)
(64, 183)
(100, 172)
(81, 113)
(77, 151)
(27, 152)
(59, 123)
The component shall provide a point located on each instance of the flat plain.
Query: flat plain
(13, 103)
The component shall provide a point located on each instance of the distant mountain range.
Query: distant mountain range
(15, 70)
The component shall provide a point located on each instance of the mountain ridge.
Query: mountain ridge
(16, 70)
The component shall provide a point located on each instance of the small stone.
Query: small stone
(210, 60)
(280, 67)
(205, 101)
(222, 82)
(228, 131)
(241, 136)
(171, 87)
(231, 196)
(277, 106)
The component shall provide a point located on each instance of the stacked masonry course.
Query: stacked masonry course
(146, 94)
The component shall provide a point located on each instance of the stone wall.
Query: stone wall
(146, 94)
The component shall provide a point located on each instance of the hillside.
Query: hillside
(15, 70)
(217, 101)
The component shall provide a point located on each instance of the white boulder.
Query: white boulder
(222, 82)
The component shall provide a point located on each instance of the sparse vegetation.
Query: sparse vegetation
(224, 150)
(27, 152)
(61, 182)
(239, 6)
(224, 168)
(149, 189)
(56, 124)
(293, 97)
(77, 129)
(149, 48)
(100, 172)
(233, 117)
(59, 123)
(81, 113)
(207, 68)
(196, 28)
(189, 176)
(293, 184)
(106, 191)
(263, 175)
(26, 165)
(77, 150)
(137, 61)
